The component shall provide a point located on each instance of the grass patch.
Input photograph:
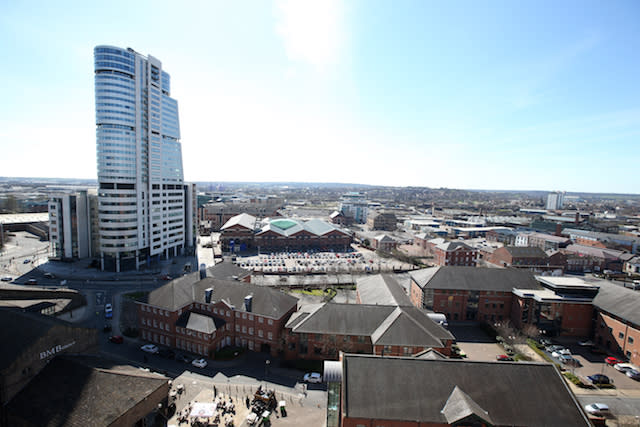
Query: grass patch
(518, 357)
(328, 293)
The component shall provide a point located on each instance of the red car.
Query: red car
(504, 358)
(116, 339)
(612, 360)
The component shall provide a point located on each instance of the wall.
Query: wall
(618, 336)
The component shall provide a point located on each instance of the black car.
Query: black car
(167, 353)
(599, 379)
(183, 358)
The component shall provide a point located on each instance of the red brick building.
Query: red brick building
(323, 332)
(455, 253)
(563, 307)
(469, 293)
(245, 232)
(617, 323)
(203, 316)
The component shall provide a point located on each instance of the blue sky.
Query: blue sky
(490, 95)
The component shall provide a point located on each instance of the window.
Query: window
(251, 317)
(250, 331)
(621, 335)
(244, 329)
(260, 320)
(244, 315)
(270, 335)
(270, 322)
(630, 340)
(260, 333)
(237, 328)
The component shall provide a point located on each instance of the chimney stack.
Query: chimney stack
(207, 295)
(203, 271)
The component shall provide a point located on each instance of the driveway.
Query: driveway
(475, 342)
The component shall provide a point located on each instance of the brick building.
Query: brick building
(381, 289)
(411, 392)
(584, 258)
(455, 253)
(30, 341)
(468, 293)
(216, 214)
(384, 243)
(245, 232)
(563, 307)
(617, 322)
(322, 332)
(532, 258)
(382, 221)
(203, 316)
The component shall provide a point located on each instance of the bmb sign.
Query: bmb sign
(54, 350)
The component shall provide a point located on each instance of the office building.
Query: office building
(141, 188)
(72, 233)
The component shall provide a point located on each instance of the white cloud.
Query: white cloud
(312, 31)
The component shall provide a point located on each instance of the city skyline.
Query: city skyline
(524, 97)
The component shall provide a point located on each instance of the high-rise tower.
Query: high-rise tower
(141, 191)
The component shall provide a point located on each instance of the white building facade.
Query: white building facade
(70, 225)
(141, 190)
(555, 200)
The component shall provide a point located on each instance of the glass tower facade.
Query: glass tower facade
(139, 156)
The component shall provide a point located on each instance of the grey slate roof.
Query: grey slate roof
(619, 301)
(266, 301)
(385, 325)
(227, 271)
(199, 322)
(20, 330)
(412, 389)
(474, 278)
(610, 254)
(526, 252)
(244, 220)
(452, 246)
(79, 391)
(460, 406)
(382, 289)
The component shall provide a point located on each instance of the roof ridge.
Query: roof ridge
(385, 324)
(311, 313)
(420, 326)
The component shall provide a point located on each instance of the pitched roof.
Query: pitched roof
(610, 254)
(266, 301)
(474, 278)
(82, 391)
(289, 227)
(452, 246)
(385, 325)
(199, 322)
(227, 271)
(417, 390)
(244, 220)
(382, 289)
(526, 252)
(619, 301)
(460, 406)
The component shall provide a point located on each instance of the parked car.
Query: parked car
(545, 342)
(108, 311)
(586, 343)
(199, 363)
(597, 408)
(561, 352)
(553, 348)
(49, 275)
(26, 261)
(599, 379)
(567, 359)
(7, 279)
(183, 358)
(116, 339)
(312, 377)
(623, 367)
(612, 360)
(634, 374)
(504, 358)
(149, 348)
(32, 282)
(167, 352)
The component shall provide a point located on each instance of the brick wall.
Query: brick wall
(618, 336)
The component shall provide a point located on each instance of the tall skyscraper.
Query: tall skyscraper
(555, 200)
(141, 190)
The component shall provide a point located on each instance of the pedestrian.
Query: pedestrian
(247, 401)
(215, 391)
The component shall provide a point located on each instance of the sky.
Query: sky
(511, 95)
